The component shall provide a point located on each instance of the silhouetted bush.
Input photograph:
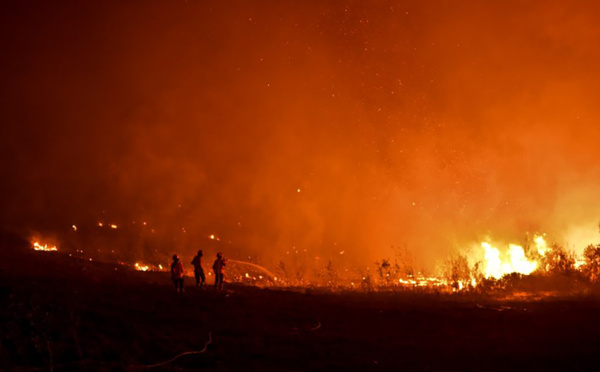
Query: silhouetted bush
(388, 272)
(459, 271)
(559, 260)
(591, 255)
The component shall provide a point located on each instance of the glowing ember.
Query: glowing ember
(113, 226)
(147, 267)
(38, 247)
(141, 267)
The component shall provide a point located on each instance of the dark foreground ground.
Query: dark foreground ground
(58, 313)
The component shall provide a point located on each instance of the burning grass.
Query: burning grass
(485, 268)
(44, 247)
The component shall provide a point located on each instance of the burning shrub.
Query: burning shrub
(591, 255)
(559, 260)
(460, 272)
(400, 270)
(460, 275)
(388, 273)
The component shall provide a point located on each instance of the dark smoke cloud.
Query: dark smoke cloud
(282, 126)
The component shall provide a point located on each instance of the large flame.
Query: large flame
(514, 259)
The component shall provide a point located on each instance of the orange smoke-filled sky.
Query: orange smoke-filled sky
(329, 126)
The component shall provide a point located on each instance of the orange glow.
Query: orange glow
(319, 137)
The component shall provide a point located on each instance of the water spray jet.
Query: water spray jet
(270, 274)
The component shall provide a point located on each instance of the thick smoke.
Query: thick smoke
(323, 130)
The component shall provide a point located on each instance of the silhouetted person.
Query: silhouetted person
(177, 273)
(198, 270)
(219, 269)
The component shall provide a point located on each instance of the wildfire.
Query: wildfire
(38, 247)
(490, 262)
(514, 262)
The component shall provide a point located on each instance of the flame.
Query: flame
(148, 267)
(540, 244)
(141, 267)
(515, 260)
(38, 247)
(420, 281)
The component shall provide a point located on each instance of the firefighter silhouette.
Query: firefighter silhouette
(198, 269)
(177, 273)
(219, 269)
